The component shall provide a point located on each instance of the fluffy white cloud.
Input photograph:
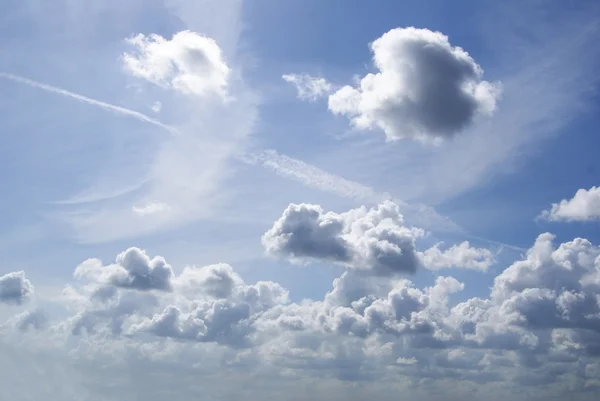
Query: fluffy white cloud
(458, 256)
(374, 240)
(425, 88)
(584, 206)
(364, 239)
(189, 62)
(15, 289)
(133, 269)
(540, 323)
(308, 87)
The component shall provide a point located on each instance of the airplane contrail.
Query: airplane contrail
(107, 106)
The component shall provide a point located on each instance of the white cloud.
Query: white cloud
(425, 89)
(542, 316)
(375, 239)
(15, 289)
(365, 239)
(308, 87)
(584, 206)
(156, 107)
(189, 62)
(458, 256)
(133, 268)
(151, 208)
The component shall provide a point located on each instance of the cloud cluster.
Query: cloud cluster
(15, 288)
(190, 63)
(374, 240)
(308, 87)
(584, 206)
(425, 88)
(540, 322)
(364, 239)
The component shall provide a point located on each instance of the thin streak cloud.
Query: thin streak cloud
(107, 106)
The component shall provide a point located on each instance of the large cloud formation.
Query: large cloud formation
(189, 62)
(539, 324)
(425, 88)
(584, 206)
(15, 289)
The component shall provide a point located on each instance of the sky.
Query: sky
(299, 199)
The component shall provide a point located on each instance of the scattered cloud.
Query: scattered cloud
(15, 289)
(308, 87)
(190, 63)
(425, 88)
(584, 206)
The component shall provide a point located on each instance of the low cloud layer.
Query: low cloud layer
(540, 323)
(425, 88)
(584, 206)
(15, 289)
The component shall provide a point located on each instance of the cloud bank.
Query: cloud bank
(538, 327)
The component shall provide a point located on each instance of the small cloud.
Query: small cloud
(584, 206)
(156, 107)
(458, 256)
(189, 63)
(151, 208)
(15, 289)
(308, 87)
(406, 361)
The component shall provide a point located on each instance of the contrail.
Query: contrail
(314, 177)
(107, 106)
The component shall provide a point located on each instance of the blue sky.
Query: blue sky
(330, 155)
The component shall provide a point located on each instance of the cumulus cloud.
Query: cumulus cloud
(458, 256)
(374, 240)
(15, 288)
(425, 88)
(584, 206)
(365, 239)
(133, 268)
(190, 63)
(542, 314)
(308, 87)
